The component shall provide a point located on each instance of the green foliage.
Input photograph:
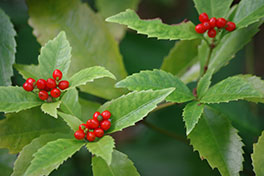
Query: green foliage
(133, 107)
(258, 156)
(32, 124)
(26, 155)
(70, 103)
(119, 166)
(72, 122)
(234, 88)
(7, 48)
(191, 115)
(91, 42)
(181, 57)
(88, 108)
(102, 148)
(51, 108)
(52, 155)
(6, 162)
(218, 142)
(248, 12)
(214, 8)
(204, 83)
(155, 28)
(152, 80)
(56, 54)
(88, 75)
(203, 52)
(15, 99)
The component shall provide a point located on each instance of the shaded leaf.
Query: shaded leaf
(133, 107)
(203, 52)
(204, 83)
(258, 156)
(119, 166)
(218, 142)
(70, 103)
(6, 162)
(51, 108)
(102, 148)
(52, 155)
(156, 80)
(88, 108)
(192, 74)
(72, 122)
(155, 28)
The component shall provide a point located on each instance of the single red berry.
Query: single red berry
(106, 114)
(99, 132)
(30, 81)
(57, 74)
(230, 26)
(47, 88)
(220, 22)
(63, 84)
(105, 124)
(97, 116)
(212, 22)
(79, 134)
(41, 84)
(90, 136)
(206, 25)
(211, 33)
(203, 17)
(51, 83)
(55, 93)
(83, 126)
(28, 87)
(199, 28)
(43, 95)
(92, 123)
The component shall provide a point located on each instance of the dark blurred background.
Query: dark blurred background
(154, 153)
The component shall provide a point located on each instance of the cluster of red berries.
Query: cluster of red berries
(47, 86)
(94, 127)
(210, 24)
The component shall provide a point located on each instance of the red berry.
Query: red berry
(63, 84)
(28, 87)
(57, 74)
(97, 116)
(220, 22)
(206, 25)
(212, 22)
(211, 33)
(47, 89)
(43, 95)
(203, 17)
(92, 123)
(90, 136)
(41, 84)
(79, 134)
(98, 132)
(51, 83)
(230, 26)
(106, 114)
(199, 28)
(83, 126)
(55, 93)
(30, 81)
(105, 124)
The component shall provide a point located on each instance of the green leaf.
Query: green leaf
(258, 156)
(70, 103)
(204, 83)
(6, 162)
(248, 12)
(203, 52)
(155, 28)
(92, 44)
(102, 148)
(26, 155)
(56, 54)
(230, 44)
(191, 115)
(192, 74)
(181, 57)
(72, 122)
(218, 142)
(19, 129)
(214, 8)
(156, 80)
(88, 108)
(88, 75)
(51, 108)
(234, 88)
(15, 99)
(119, 166)
(128, 109)
(52, 155)
(7, 48)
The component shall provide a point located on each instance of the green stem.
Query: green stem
(211, 46)
(163, 105)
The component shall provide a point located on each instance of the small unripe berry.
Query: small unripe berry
(63, 84)
(199, 28)
(211, 33)
(106, 114)
(220, 22)
(57, 74)
(55, 93)
(105, 124)
(43, 95)
(79, 135)
(230, 26)
(203, 17)
(51, 83)
(99, 132)
(90, 136)
(92, 123)
(28, 87)
(41, 84)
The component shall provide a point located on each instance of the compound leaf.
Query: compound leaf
(258, 156)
